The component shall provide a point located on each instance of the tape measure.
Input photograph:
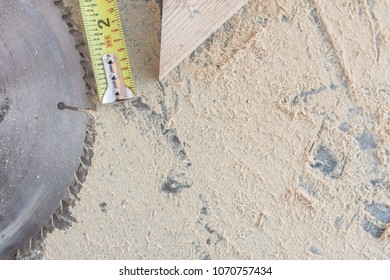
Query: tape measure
(107, 47)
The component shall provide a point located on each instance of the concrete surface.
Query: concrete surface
(270, 141)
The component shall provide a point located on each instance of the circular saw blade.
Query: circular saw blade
(40, 145)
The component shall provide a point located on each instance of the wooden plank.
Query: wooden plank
(187, 23)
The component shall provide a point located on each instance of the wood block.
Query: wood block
(187, 23)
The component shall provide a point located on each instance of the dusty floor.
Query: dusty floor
(270, 141)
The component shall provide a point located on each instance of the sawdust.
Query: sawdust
(270, 141)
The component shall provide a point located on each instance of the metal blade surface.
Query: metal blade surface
(40, 145)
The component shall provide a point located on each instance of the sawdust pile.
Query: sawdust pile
(271, 141)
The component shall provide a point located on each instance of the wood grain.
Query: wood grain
(187, 23)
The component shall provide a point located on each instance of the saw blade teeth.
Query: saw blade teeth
(63, 218)
(88, 147)
(86, 65)
(60, 5)
(73, 191)
(61, 207)
(90, 80)
(83, 50)
(84, 162)
(80, 176)
(68, 19)
(91, 129)
(77, 35)
(43, 233)
(86, 157)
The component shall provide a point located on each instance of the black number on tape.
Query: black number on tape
(102, 22)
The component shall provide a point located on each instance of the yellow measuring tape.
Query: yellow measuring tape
(107, 47)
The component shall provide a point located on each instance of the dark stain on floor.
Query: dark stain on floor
(103, 207)
(326, 163)
(172, 186)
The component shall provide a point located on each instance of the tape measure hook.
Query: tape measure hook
(116, 88)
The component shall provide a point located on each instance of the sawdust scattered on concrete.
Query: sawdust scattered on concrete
(270, 141)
